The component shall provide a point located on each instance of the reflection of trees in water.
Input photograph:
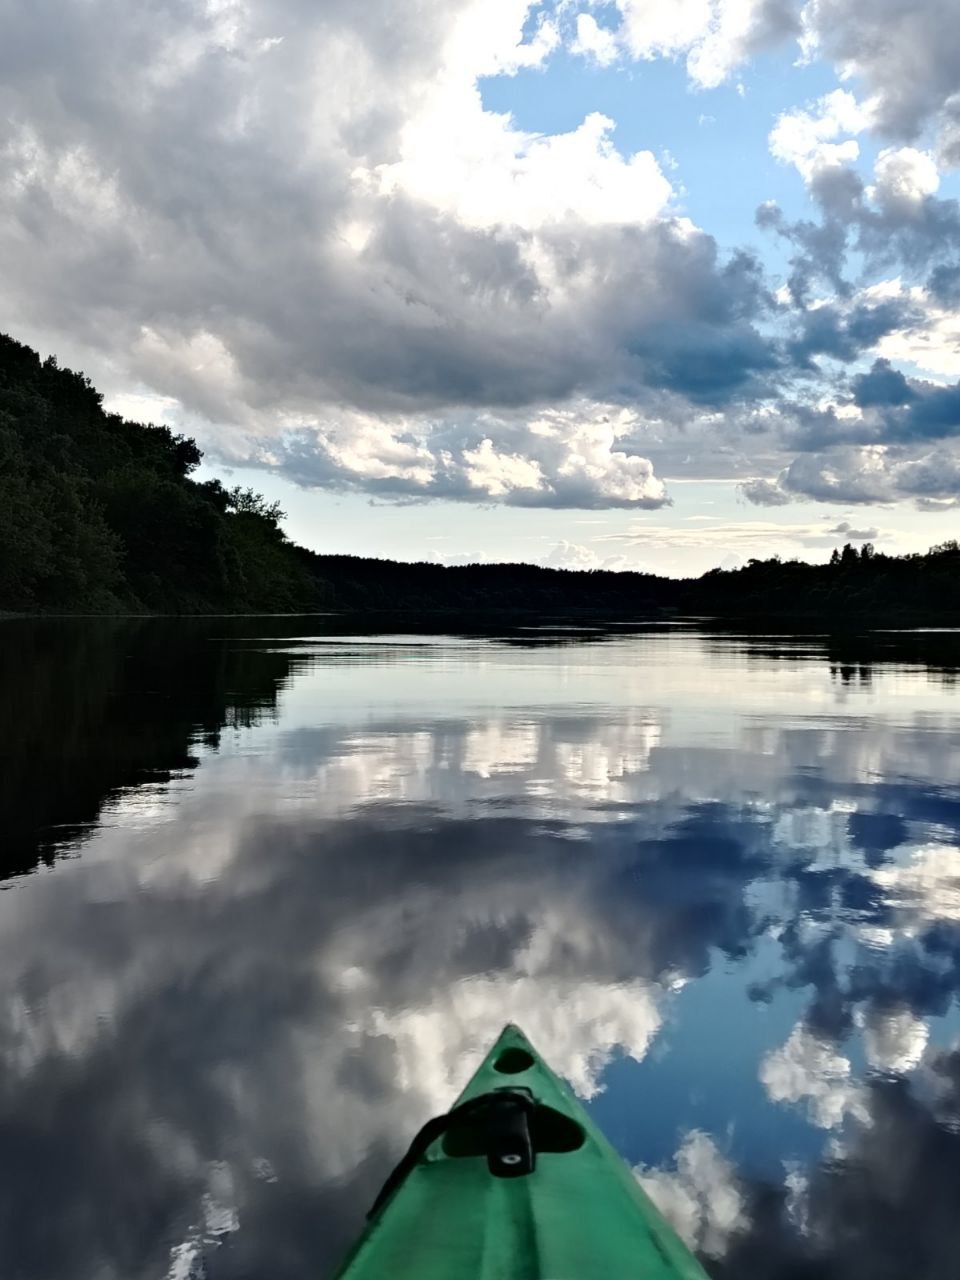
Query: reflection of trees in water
(91, 709)
(850, 674)
(853, 656)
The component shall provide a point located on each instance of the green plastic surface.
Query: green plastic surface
(580, 1215)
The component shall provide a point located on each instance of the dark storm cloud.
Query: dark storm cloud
(845, 335)
(944, 285)
(821, 251)
(930, 414)
(883, 385)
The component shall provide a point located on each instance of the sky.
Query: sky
(652, 284)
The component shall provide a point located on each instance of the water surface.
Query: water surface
(271, 891)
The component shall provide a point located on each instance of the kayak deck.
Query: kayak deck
(465, 1205)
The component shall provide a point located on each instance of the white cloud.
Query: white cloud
(358, 277)
(365, 280)
(478, 167)
(576, 1024)
(701, 1198)
(808, 139)
(573, 457)
(573, 555)
(873, 474)
(924, 887)
(737, 29)
(650, 29)
(904, 178)
(894, 1039)
(932, 343)
(497, 474)
(716, 36)
(808, 1069)
(594, 41)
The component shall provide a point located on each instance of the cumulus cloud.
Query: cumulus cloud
(764, 493)
(869, 474)
(889, 438)
(807, 1069)
(367, 281)
(559, 458)
(499, 175)
(593, 41)
(807, 139)
(907, 56)
(846, 332)
(573, 555)
(888, 407)
(929, 335)
(904, 177)
(701, 1197)
(350, 265)
(714, 36)
(898, 219)
(884, 225)
(894, 1038)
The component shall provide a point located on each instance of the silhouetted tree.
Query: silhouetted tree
(249, 502)
(99, 514)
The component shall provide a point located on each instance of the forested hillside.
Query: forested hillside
(100, 514)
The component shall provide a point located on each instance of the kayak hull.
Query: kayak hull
(579, 1215)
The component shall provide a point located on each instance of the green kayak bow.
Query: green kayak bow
(516, 1183)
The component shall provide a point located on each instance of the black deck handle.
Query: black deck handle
(501, 1119)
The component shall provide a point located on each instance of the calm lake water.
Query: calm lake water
(270, 892)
